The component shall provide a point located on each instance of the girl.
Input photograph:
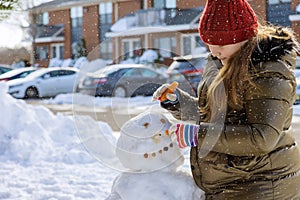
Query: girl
(242, 145)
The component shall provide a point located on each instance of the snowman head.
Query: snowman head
(145, 144)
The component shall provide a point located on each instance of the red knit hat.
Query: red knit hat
(226, 22)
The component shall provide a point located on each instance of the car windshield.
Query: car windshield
(298, 63)
(183, 64)
(37, 73)
(188, 64)
(15, 72)
(105, 71)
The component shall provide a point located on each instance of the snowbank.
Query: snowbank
(43, 156)
(31, 134)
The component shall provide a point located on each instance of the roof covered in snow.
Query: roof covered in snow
(47, 33)
(185, 16)
(64, 4)
(156, 20)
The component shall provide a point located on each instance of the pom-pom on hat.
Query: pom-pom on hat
(226, 22)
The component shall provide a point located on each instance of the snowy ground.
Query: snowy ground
(55, 180)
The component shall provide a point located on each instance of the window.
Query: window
(271, 2)
(65, 72)
(126, 50)
(54, 73)
(42, 18)
(57, 51)
(106, 49)
(129, 46)
(132, 72)
(105, 12)
(105, 15)
(76, 20)
(45, 18)
(166, 46)
(76, 16)
(164, 4)
(191, 43)
(41, 53)
(148, 73)
(24, 74)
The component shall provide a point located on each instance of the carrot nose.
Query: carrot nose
(167, 132)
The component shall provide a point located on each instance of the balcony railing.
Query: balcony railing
(152, 17)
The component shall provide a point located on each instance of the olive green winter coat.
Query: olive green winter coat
(253, 154)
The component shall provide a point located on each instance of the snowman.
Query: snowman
(152, 160)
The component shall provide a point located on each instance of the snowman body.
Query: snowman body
(152, 158)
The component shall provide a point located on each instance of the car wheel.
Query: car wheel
(119, 91)
(31, 92)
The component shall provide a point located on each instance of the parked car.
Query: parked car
(122, 80)
(44, 82)
(187, 71)
(297, 91)
(17, 73)
(4, 69)
(297, 75)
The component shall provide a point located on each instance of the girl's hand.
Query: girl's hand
(165, 92)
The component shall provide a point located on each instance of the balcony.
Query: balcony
(144, 20)
(152, 17)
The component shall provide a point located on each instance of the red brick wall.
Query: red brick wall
(90, 28)
(63, 17)
(295, 3)
(260, 8)
(190, 3)
(129, 7)
(296, 28)
(296, 24)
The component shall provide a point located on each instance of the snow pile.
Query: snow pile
(42, 156)
(80, 62)
(67, 63)
(30, 134)
(124, 24)
(94, 65)
(55, 62)
(149, 56)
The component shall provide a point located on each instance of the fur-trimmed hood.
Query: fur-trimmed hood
(274, 47)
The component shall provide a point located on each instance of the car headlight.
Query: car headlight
(14, 86)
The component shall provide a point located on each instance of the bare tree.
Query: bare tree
(6, 6)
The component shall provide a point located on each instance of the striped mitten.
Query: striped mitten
(187, 135)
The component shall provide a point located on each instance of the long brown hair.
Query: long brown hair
(235, 75)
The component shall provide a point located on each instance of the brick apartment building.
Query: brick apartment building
(119, 29)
